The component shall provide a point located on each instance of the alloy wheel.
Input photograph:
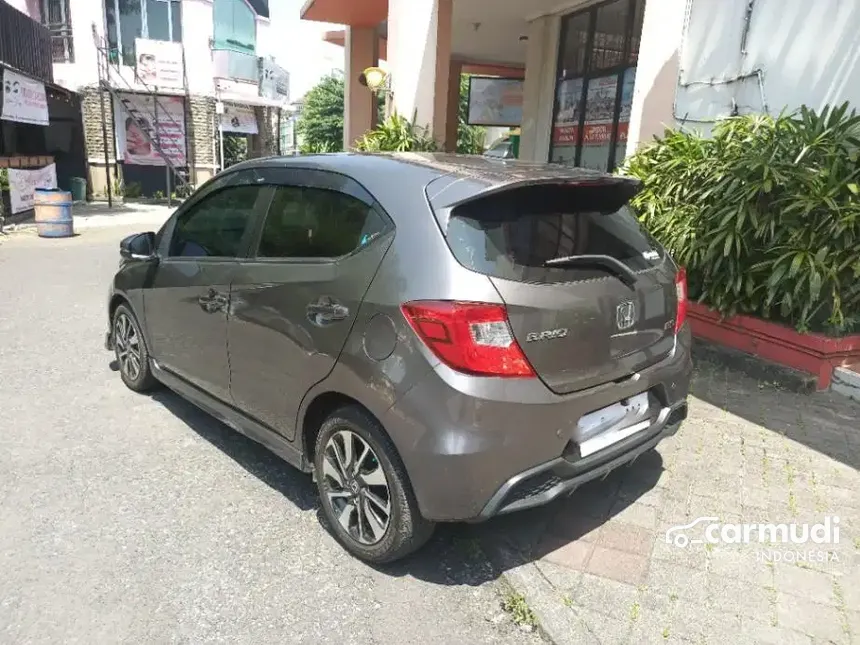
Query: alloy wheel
(356, 487)
(127, 345)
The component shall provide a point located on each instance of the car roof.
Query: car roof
(447, 179)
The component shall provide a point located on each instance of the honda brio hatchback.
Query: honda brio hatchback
(436, 338)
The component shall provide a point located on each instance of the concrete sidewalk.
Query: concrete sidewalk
(596, 568)
(99, 214)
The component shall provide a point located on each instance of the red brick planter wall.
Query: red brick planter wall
(812, 353)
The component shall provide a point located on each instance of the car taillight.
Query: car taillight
(469, 337)
(681, 290)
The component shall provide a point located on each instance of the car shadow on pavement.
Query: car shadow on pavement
(293, 484)
(457, 554)
(823, 421)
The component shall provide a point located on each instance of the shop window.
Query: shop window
(610, 31)
(127, 20)
(235, 26)
(594, 92)
(574, 44)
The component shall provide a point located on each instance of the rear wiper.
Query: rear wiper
(610, 264)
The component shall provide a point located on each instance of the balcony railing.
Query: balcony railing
(25, 44)
(236, 66)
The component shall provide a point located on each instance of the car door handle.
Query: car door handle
(325, 310)
(213, 301)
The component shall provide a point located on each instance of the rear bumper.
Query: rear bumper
(559, 477)
(478, 447)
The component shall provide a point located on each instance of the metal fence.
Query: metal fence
(25, 44)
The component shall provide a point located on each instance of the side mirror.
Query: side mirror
(140, 246)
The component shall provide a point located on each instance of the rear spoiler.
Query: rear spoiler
(613, 192)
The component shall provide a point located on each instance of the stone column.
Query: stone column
(361, 52)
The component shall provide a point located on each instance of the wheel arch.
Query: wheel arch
(317, 411)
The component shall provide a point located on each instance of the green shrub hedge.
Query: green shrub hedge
(764, 214)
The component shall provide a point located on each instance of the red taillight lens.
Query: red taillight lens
(469, 337)
(681, 290)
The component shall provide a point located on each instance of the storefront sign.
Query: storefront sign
(239, 119)
(23, 185)
(159, 63)
(495, 101)
(24, 99)
(164, 120)
(274, 81)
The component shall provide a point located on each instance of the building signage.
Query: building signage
(159, 63)
(23, 185)
(274, 81)
(239, 119)
(24, 99)
(164, 121)
(495, 101)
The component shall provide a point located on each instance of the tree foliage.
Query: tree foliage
(321, 121)
(765, 214)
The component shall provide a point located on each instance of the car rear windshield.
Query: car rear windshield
(513, 234)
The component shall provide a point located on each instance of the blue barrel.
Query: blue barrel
(54, 213)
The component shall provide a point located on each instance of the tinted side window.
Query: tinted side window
(316, 223)
(215, 226)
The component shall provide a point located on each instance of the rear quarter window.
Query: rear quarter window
(513, 234)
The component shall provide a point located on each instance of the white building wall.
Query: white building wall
(792, 53)
(84, 71)
(198, 29)
(702, 60)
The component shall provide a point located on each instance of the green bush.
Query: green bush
(397, 134)
(764, 214)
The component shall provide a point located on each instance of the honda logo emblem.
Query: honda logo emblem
(625, 315)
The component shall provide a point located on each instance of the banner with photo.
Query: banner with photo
(239, 119)
(495, 101)
(159, 63)
(164, 120)
(23, 185)
(24, 99)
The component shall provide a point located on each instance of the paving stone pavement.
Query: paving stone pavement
(596, 567)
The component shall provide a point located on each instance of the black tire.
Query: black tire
(141, 380)
(407, 530)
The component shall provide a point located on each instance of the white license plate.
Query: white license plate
(611, 424)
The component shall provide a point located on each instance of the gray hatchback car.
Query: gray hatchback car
(434, 337)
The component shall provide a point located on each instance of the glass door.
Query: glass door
(594, 90)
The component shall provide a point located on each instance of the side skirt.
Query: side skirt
(233, 418)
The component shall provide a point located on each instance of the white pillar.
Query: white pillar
(419, 57)
(657, 72)
(361, 52)
(539, 88)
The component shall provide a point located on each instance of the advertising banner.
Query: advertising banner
(239, 119)
(159, 63)
(566, 126)
(24, 99)
(274, 81)
(164, 120)
(23, 185)
(495, 101)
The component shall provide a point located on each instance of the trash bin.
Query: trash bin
(79, 189)
(53, 213)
